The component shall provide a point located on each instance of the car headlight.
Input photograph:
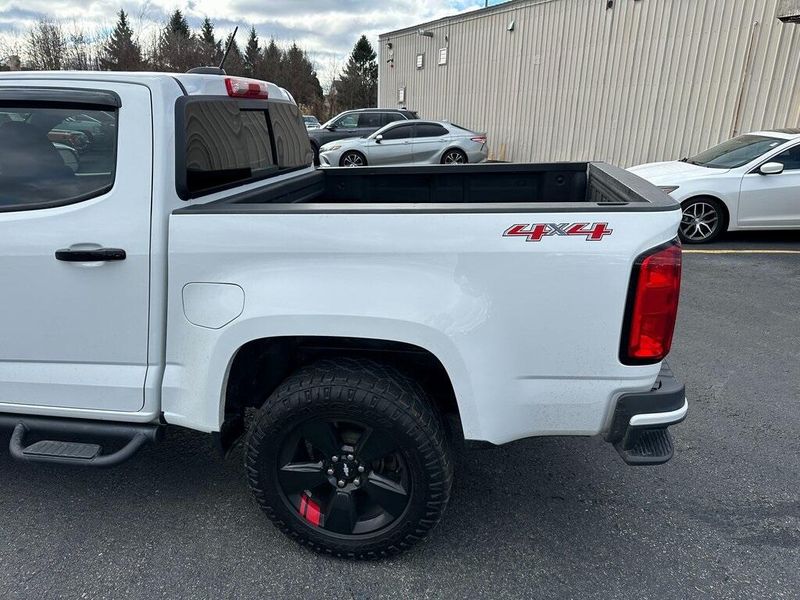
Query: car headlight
(668, 189)
(330, 147)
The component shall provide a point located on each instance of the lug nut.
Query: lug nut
(361, 468)
(356, 481)
(335, 459)
(349, 457)
(330, 471)
(340, 483)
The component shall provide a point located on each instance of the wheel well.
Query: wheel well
(261, 365)
(725, 212)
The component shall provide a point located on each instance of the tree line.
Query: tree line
(48, 45)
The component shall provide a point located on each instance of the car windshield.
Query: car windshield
(736, 152)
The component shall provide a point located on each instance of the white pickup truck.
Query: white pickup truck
(188, 267)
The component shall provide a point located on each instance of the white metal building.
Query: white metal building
(626, 81)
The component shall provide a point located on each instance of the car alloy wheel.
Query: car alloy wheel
(454, 157)
(343, 477)
(353, 159)
(701, 222)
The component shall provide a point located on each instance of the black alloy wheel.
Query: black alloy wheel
(343, 477)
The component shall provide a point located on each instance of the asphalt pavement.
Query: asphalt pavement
(541, 518)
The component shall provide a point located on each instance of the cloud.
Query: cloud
(327, 30)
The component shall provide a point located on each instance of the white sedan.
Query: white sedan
(408, 143)
(749, 182)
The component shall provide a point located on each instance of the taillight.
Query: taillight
(239, 87)
(481, 139)
(652, 305)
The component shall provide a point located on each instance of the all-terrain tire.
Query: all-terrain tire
(387, 402)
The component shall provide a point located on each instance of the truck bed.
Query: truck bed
(559, 187)
(439, 258)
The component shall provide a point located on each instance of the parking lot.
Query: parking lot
(549, 518)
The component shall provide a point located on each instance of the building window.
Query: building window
(442, 56)
(401, 95)
(420, 61)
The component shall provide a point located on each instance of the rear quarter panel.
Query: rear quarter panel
(529, 332)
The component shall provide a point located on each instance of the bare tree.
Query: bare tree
(47, 46)
(82, 49)
(12, 47)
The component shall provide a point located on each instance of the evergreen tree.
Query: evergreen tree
(121, 52)
(211, 47)
(359, 83)
(252, 55)
(300, 78)
(234, 64)
(272, 64)
(178, 50)
(178, 25)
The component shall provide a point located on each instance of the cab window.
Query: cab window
(55, 154)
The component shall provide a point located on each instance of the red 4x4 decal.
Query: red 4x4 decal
(593, 232)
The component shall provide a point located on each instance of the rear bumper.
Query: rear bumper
(643, 416)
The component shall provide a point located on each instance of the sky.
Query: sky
(327, 29)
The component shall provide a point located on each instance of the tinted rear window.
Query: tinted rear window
(230, 144)
(430, 130)
(370, 119)
(55, 154)
(291, 138)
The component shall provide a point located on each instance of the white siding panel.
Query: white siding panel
(645, 80)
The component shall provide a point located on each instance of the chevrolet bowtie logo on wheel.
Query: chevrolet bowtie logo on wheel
(593, 232)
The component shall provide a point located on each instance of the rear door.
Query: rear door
(74, 245)
(430, 140)
(395, 148)
(772, 200)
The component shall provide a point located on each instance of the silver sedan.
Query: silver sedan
(408, 143)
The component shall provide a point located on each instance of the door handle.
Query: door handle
(94, 255)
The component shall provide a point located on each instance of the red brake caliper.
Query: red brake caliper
(309, 509)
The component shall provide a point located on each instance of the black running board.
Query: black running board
(76, 441)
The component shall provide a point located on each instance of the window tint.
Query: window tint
(225, 145)
(400, 132)
(392, 117)
(430, 130)
(370, 119)
(790, 159)
(291, 137)
(55, 155)
(347, 122)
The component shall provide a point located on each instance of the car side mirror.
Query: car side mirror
(378, 139)
(771, 168)
(331, 128)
